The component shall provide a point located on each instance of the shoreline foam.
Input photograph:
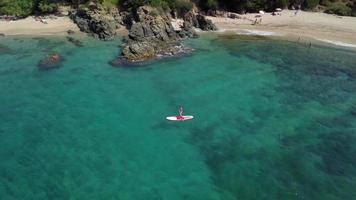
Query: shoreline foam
(338, 43)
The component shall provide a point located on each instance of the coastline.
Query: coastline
(29, 26)
(303, 27)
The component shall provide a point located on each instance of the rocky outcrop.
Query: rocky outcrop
(191, 19)
(205, 24)
(199, 21)
(187, 31)
(96, 21)
(52, 61)
(151, 34)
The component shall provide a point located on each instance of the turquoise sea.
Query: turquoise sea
(274, 120)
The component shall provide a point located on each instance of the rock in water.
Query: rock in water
(150, 34)
(74, 41)
(5, 49)
(52, 61)
(96, 21)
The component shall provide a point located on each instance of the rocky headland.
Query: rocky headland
(152, 35)
(150, 30)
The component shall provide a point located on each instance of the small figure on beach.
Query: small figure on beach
(255, 22)
(297, 10)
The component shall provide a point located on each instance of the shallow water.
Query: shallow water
(273, 120)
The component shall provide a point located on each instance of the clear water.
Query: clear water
(273, 120)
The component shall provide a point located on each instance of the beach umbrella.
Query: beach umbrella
(278, 9)
(262, 12)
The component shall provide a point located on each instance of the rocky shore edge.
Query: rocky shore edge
(151, 33)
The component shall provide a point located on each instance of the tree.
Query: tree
(20, 8)
(310, 4)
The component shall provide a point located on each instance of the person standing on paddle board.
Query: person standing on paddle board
(180, 110)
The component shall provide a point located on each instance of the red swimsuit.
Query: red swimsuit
(179, 117)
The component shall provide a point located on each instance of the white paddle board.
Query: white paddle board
(180, 118)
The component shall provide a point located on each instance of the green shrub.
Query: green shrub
(132, 4)
(209, 4)
(20, 8)
(183, 6)
(338, 9)
(47, 7)
(255, 5)
(109, 3)
(160, 4)
(212, 4)
(310, 4)
(353, 12)
(281, 4)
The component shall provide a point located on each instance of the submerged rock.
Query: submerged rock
(5, 49)
(74, 41)
(52, 61)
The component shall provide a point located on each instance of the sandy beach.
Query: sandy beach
(302, 26)
(29, 26)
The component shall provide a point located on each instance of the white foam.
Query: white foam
(338, 43)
